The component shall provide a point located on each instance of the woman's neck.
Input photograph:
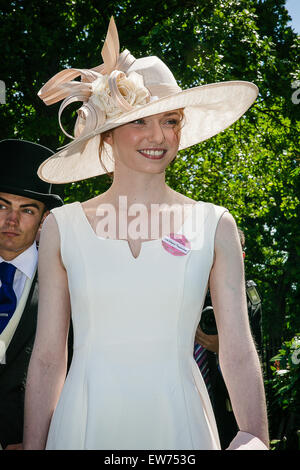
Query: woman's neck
(144, 189)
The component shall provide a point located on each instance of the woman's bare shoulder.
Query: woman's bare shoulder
(227, 222)
(178, 198)
(50, 236)
(93, 202)
(50, 223)
(227, 235)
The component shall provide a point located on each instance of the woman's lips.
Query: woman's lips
(153, 154)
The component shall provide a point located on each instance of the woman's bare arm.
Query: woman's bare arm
(48, 364)
(239, 361)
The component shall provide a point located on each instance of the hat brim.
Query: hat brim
(50, 200)
(208, 109)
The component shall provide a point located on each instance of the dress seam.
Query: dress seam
(72, 216)
(178, 355)
(88, 351)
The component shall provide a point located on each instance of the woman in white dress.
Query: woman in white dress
(136, 284)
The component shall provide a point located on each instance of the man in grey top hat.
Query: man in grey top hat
(25, 201)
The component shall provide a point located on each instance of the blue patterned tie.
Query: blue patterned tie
(8, 299)
(200, 356)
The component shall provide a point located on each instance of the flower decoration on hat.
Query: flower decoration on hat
(106, 91)
(115, 93)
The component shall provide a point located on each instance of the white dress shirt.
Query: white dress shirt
(26, 264)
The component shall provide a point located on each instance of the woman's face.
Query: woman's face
(148, 144)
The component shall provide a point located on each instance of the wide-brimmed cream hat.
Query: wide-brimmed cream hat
(124, 89)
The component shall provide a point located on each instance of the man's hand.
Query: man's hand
(209, 342)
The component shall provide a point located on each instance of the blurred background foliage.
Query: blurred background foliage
(252, 168)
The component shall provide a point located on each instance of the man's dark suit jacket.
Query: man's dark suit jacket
(13, 372)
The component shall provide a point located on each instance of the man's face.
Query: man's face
(20, 219)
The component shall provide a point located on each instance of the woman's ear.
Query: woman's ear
(108, 137)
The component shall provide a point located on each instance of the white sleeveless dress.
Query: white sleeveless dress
(133, 382)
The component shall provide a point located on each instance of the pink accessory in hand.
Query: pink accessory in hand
(246, 441)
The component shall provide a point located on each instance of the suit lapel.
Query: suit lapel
(27, 323)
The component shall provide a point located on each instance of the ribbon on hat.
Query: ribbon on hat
(63, 86)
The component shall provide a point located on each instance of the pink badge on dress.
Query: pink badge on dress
(176, 244)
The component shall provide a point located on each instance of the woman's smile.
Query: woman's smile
(153, 153)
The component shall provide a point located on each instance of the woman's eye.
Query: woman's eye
(172, 122)
(138, 121)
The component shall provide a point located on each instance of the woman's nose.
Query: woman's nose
(156, 134)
